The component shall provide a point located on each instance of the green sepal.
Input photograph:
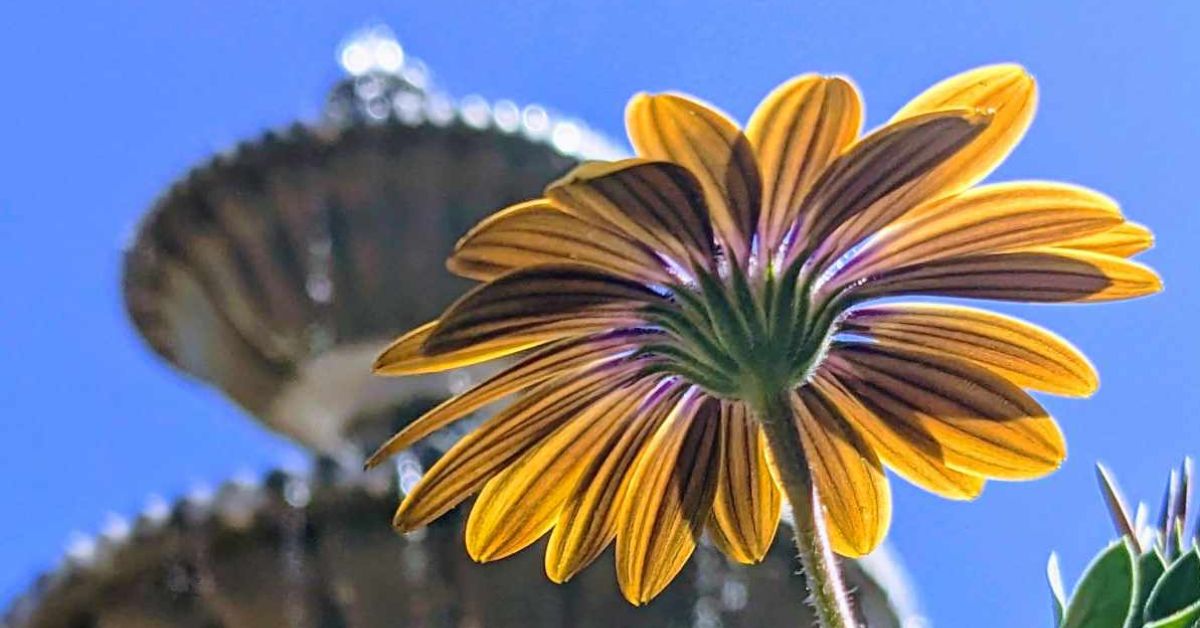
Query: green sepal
(1104, 596)
(670, 359)
(783, 307)
(746, 305)
(676, 323)
(726, 321)
(1177, 589)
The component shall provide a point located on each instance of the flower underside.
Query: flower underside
(657, 303)
(737, 337)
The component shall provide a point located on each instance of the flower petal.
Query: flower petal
(588, 521)
(987, 219)
(521, 503)
(1042, 275)
(405, 357)
(1124, 240)
(911, 453)
(560, 299)
(694, 135)
(1008, 91)
(848, 476)
(656, 203)
(984, 424)
(876, 167)
(500, 440)
(536, 233)
(556, 360)
(798, 130)
(1022, 353)
(669, 499)
(747, 502)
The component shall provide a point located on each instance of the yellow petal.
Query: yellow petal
(1022, 353)
(694, 135)
(669, 499)
(536, 233)
(656, 203)
(798, 130)
(911, 453)
(874, 169)
(494, 445)
(747, 502)
(987, 219)
(521, 503)
(1124, 240)
(1008, 91)
(560, 359)
(984, 424)
(1043, 275)
(405, 357)
(588, 522)
(562, 299)
(850, 482)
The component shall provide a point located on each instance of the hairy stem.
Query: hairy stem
(824, 580)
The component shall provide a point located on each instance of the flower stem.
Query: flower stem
(828, 595)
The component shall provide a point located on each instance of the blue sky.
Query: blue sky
(105, 103)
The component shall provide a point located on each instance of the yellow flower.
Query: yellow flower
(659, 300)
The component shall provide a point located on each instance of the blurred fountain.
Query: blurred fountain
(275, 272)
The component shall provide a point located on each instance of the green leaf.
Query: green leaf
(1150, 568)
(1183, 619)
(1058, 598)
(1178, 589)
(1104, 594)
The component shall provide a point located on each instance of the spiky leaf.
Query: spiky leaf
(1058, 597)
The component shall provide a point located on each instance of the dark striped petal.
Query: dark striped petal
(1124, 240)
(983, 424)
(694, 135)
(405, 356)
(656, 203)
(669, 499)
(747, 502)
(848, 476)
(798, 130)
(494, 445)
(987, 219)
(1024, 354)
(520, 504)
(559, 299)
(536, 233)
(906, 449)
(1006, 90)
(560, 359)
(588, 521)
(877, 166)
(1045, 275)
